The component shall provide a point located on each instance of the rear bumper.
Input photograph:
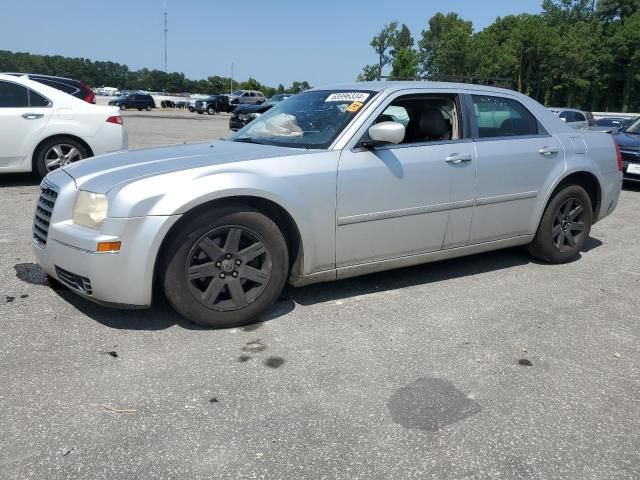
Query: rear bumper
(124, 278)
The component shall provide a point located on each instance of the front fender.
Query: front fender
(308, 196)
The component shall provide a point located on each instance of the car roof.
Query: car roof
(39, 75)
(379, 86)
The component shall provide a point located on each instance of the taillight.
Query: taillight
(90, 97)
(619, 154)
(117, 119)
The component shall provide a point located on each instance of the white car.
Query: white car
(575, 119)
(42, 128)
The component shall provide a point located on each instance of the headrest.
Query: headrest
(385, 118)
(516, 126)
(433, 126)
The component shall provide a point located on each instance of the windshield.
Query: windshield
(308, 120)
(634, 127)
(237, 93)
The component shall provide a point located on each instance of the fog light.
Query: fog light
(109, 246)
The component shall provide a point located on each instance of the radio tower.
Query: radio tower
(165, 36)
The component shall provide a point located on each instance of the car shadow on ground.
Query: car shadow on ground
(18, 180)
(161, 315)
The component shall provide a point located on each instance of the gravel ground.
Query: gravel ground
(485, 367)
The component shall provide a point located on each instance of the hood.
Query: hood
(101, 174)
(627, 140)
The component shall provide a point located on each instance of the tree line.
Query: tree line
(110, 74)
(578, 53)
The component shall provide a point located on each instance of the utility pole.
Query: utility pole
(165, 36)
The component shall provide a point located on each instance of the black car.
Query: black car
(611, 124)
(73, 87)
(214, 104)
(629, 142)
(243, 114)
(141, 101)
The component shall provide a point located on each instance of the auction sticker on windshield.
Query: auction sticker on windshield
(348, 97)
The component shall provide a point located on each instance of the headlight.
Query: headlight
(90, 209)
(251, 116)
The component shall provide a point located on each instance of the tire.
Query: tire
(200, 113)
(211, 111)
(246, 284)
(148, 108)
(564, 228)
(123, 107)
(139, 109)
(191, 109)
(56, 152)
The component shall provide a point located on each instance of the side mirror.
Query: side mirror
(385, 133)
(563, 119)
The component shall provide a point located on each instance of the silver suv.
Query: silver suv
(252, 97)
(329, 184)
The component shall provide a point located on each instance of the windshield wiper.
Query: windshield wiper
(247, 140)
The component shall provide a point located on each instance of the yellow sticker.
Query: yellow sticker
(354, 107)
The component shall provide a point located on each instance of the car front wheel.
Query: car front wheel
(565, 226)
(225, 267)
(211, 111)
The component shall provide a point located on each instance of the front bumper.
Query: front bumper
(124, 278)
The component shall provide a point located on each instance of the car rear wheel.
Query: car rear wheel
(56, 153)
(565, 226)
(148, 109)
(211, 111)
(225, 267)
(123, 107)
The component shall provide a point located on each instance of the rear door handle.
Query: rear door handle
(546, 151)
(32, 116)
(458, 159)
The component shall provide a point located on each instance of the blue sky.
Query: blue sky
(274, 42)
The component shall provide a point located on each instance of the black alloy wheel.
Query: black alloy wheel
(228, 268)
(568, 225)
(225, 266)
(565, 226)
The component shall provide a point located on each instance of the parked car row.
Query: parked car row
(243, 114)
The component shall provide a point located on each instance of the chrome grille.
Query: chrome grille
(71, 280)
(44, 209)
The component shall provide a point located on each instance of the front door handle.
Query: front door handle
(32, 116)
(546, 151)
(458, 159)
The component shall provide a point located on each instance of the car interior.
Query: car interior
(426, 119)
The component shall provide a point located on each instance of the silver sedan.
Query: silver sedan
(328, 184)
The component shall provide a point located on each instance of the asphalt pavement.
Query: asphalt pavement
(485, 367)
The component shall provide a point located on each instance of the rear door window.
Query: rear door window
(503, 117)
(13, 95)
(37, 100)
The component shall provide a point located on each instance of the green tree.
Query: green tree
(444, 28)
(369, 73)
(383, 42)
(405, 64)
